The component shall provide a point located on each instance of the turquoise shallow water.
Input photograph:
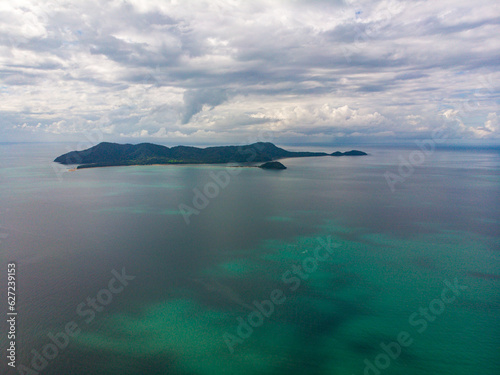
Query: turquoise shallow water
(387, 262)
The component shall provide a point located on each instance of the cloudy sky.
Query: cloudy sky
(218, 71)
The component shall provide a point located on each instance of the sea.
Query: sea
(383, 264)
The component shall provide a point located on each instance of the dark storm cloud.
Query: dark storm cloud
(194, 100)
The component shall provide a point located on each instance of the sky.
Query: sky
(231, 71)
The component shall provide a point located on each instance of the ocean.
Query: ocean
(384, 264)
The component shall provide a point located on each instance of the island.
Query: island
(349, 153)
(272, 165)
(107, 154)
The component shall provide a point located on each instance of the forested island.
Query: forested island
(107, 154)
